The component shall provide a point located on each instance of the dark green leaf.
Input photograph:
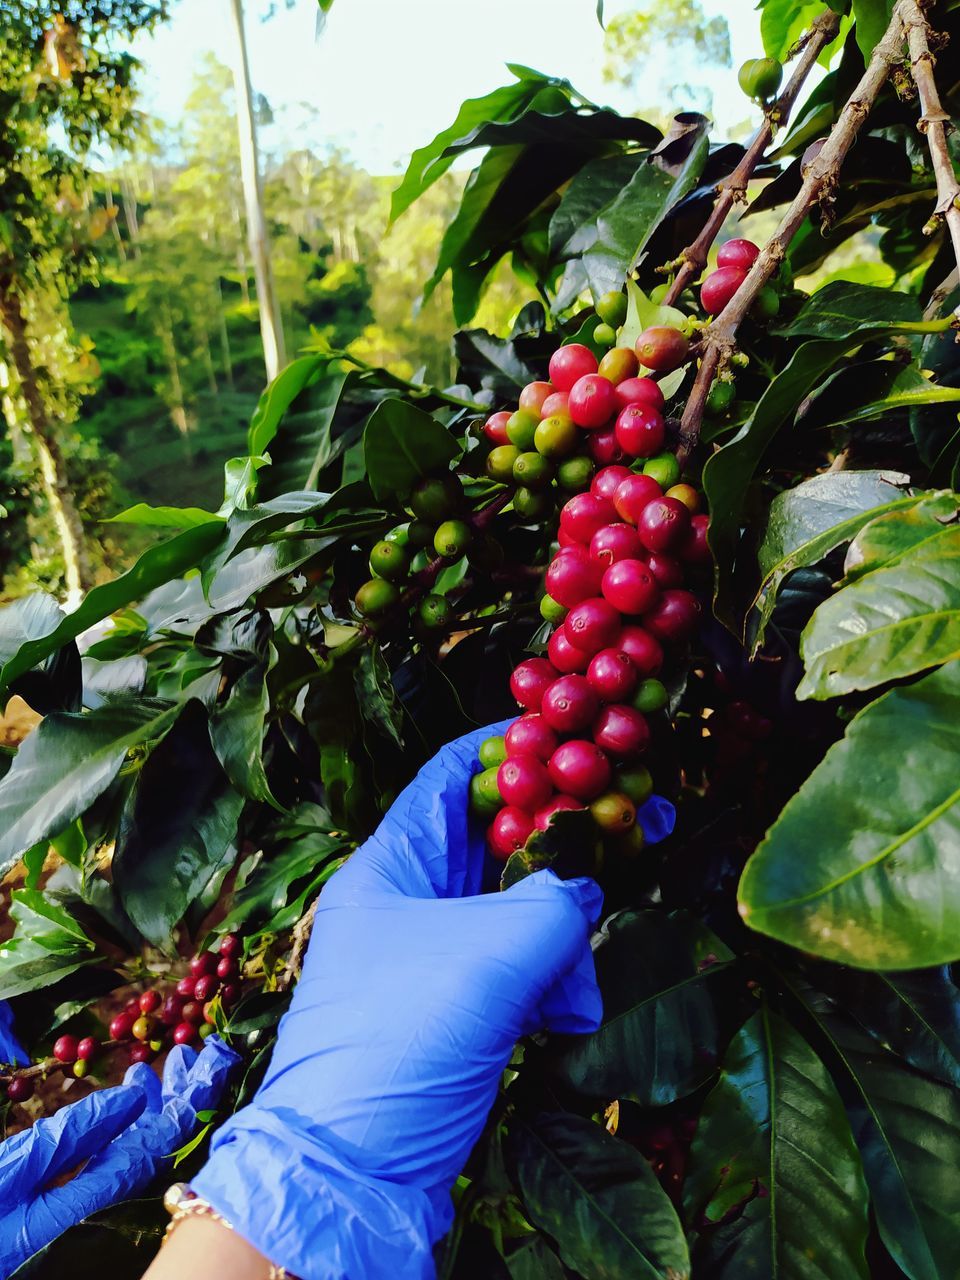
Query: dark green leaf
(841, 310)
(284, 883)
(168, 851)
(597, 1198)
(303, 442)
(376, 695)
(573, 225)
(774, 1150)
(535, 1260)
(237, 728)
(47, 944)
(164, 517)
(659, 1035)
(65, 764)
(566, 127)
(863, 864)
(56, 683)
(874, 390)
(279, 396)
(401, 445)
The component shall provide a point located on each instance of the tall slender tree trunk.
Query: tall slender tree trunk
(178, 408)
(225, 356)
(53, 470)
(208, 361)
(271, 327)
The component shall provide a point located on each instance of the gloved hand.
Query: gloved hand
(125, 1134)
(413, 994)
(10, 1048)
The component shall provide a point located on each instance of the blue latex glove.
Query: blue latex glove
(10, 1048)
(413, 994)
(125, 1134)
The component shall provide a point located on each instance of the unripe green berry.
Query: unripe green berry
(533, 470)
(500, 462)
(485, 797)
(720, 397)
(651, 695)
(399, 535)
(574, 475)
(759, 78)
(636, 782)
(766, 305)
(664, 468)
(419, 535)
(552, 610)
(492, 752)
(435, 611)
(612, 308)
(521, 428)
(452, 539)
(376, 598)
(389, 560)
(532, 505)
(604, 335)
(556, 436)
(437, 498)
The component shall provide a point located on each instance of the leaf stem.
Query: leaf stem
(819, 181)
(732, 188)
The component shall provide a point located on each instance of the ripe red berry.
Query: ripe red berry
(206, 988)
(169, 1013)
(592, 401)
(571, 578)
(566, 657)
(639, 391)
(65, 1049)
(203, 963)
(184, 1033)
(674, 617)
(523, 781)
(140, 1052)
(622, 731)
(580, 769)
(150, 1001)
(87, 1048)
(738, 253)
(604, 447)
(569, 364)
(230, 945)
(20, 1089)
(694, 546)
(719, 287)
(495, 428)
(616, 542)
(227, 968)
(585, 513)
(640, 430)
(120, 1026)
(633, 495)
(193, 1011)
(612, 675)
(133, 1007)
(592, 625)
(667, 571)
(559, 804)
(185, 987)
(509, 831)
(642, 649)
(607, 481)
(230, 994)
(565, 540)
(662, 348)
(531, 736)
(533, 395)
(569, 706)
(663, 524)
(556, 402)
(630, 586)
(531, 680)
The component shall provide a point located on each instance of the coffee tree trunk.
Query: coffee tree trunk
(53, 471)
(271, 327)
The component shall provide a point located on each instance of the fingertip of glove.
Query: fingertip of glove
(583, 891)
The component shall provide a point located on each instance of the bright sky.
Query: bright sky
(386, 75)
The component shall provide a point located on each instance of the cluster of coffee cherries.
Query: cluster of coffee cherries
(734, 260)
(615, 595)
(156, 1018)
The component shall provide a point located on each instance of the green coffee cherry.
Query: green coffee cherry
(552, 610)
(651, 695)
(521, 428)
(556, 436)
(658, 293)
(635, 782)
(400, 535)
(500, 462)
(452, 539)
(376, 597)
(574, 475)
(766, 305)
(493, 752)
(389, 560)
(604, 335)
(612, 308)
(484, 794)
(434, 611)
(419, 535)
(437, 498)
(664, 468)
(531, 504)
(760, 78)
(720, 397)
(533, 471)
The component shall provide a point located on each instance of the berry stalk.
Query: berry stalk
(732, 189)
(819, 177)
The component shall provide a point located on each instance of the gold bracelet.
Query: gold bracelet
(181, 1202)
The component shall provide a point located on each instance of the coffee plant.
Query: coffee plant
(698, 515)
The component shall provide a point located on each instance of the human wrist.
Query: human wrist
(200, 1247)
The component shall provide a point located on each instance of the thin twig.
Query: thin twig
(819, 179)
(301, 936)
(940, 293)
(933, 121)
(732, 188)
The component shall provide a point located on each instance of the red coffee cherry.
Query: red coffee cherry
(718, 288)
(531, 680)
(674, 617)
(642, 391)
(640, 430)
(663, 523)
(571, 578)
(559, 804)
(227, 968)
(623, 731)
(531, 736)
(87, 1048)
(616, 542)
(65, 1049)
(583, 514)
(533, 395)
(566, 657)
(634, 494)
(608, 480)
(556, 402)
(612, 675)
(694, 547)
(580, 769)
(523, 781)
(169, 1011)
(150, 1001)
(141, 1052)
(120, 1026)
(592, 401)
(592, 625)
(738, 253)
(569, 706)
(20, 1089)
(230, 994)
(230, 945)
(186, 987)
(643, 650)
(495, 428)
(604, 447)
(193, 1011)
(667, 571)
(662, 348)
(184, 1033)
(205, 989)
(571, 363)
(509, 831)
(629, 586)
(204, 963)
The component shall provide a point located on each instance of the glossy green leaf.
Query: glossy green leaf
(237, 727)
(282, 886)
(401, 445)
(809, 521)
(863, 864)
(908, 1130)
(597, 1199)
(872, 18)
(29, 618)
(626, 225)
(573, 224)
(782, 22)
(658, 1039)
(891, 536)
(160, 564)
(376, 696)
(774, 1151)
(304, 442)
(641, 314)
(47, 944)
(875, 390)
(841, 310)
(893, 622)
(535, 1260)
(167, 852)
(279, 396)
(65, 764)
(240, 483)
(164, 517)
(56, 682)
